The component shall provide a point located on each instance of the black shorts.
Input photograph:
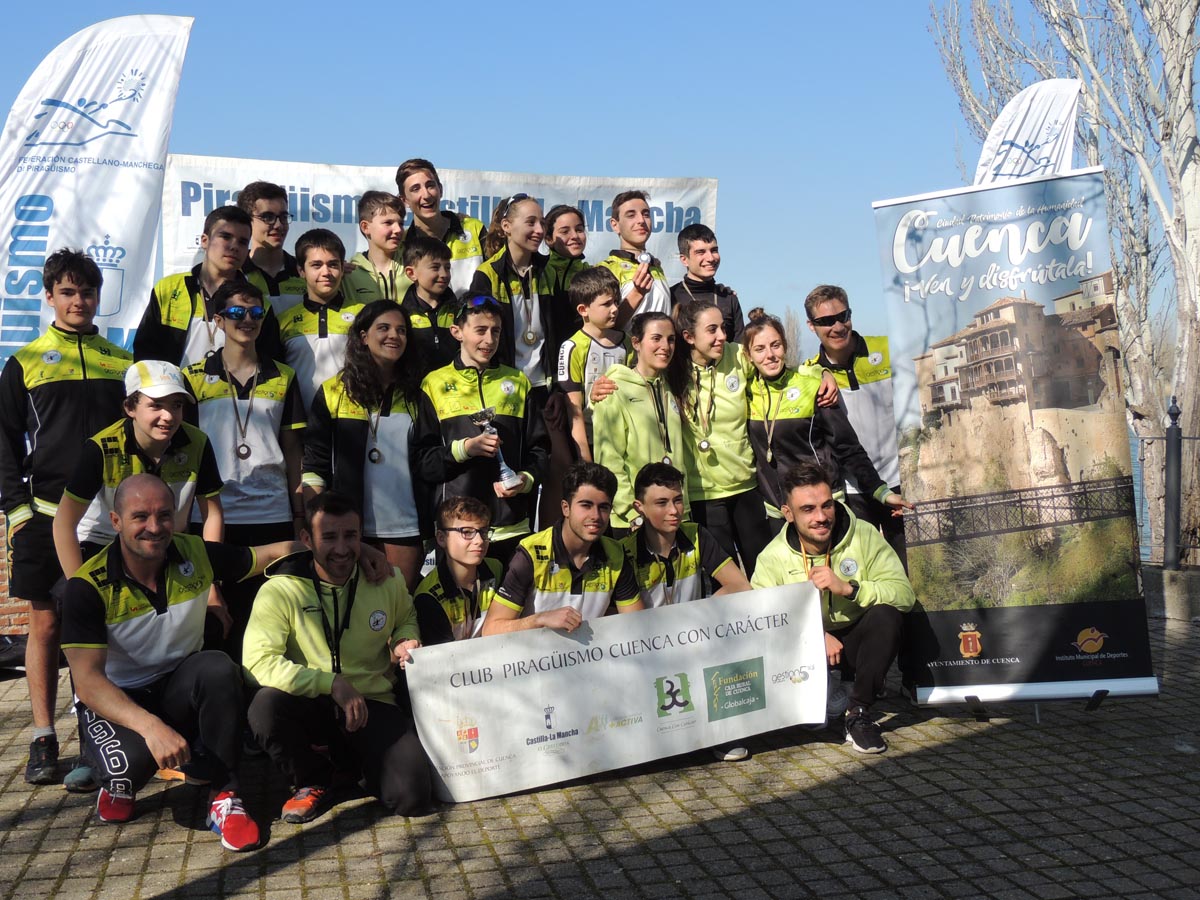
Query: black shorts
(33, 567)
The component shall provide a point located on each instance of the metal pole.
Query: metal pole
(1172, 494)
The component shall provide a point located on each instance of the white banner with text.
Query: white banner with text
(326, 196)
(516, 711)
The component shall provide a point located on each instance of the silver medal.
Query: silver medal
(243, 451)
(644, 257)
(704, 445)
(530, 338)
(375, 455)
(666, 460)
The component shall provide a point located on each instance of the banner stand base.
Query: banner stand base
(978, 710)
(1095, 700)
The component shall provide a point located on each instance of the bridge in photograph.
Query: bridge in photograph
(1003, 512)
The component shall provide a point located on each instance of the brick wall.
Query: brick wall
(14, 617)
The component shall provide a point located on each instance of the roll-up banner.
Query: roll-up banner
(1009, 398)
(82, 160)
(530, 708)
(326, 196)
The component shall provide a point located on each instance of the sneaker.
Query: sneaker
(228, 819)
(113, 808)
(862, 733)
(730, 754)
(82, 779)
(305, 805)
(42, 767)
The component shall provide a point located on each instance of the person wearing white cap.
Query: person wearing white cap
(152, 437)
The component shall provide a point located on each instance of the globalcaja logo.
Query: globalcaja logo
(1090, 640)
(970, 641)
(735, 689)
(109, 259)
(467, 734)
(674, 694)
(63, 123)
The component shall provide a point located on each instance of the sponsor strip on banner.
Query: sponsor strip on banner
(82, 160)
(516, 711)
(326, 196)
(1009, 399)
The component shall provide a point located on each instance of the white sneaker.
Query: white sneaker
(730, 754)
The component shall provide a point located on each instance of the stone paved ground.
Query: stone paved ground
(1098, 804)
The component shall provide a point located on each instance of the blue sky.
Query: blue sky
(804, 114)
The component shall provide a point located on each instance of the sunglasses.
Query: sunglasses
(515, 198)
(826, 321)
(237, 313)
(478, 303)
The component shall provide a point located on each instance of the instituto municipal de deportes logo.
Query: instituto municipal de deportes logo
(970, 641)
(674, 694)
(1090, 640)
(74, 123)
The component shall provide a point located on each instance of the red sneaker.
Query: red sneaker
(228, 819)
(305, 805)
(113, 808)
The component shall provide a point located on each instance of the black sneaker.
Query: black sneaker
(42, 767)
(862, 733)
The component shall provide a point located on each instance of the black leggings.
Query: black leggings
(739, 523)
(387, 746)
(201, 699)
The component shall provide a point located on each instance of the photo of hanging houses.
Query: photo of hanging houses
(1020, 465)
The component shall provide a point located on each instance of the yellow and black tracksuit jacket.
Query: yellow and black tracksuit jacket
(560, 272)
(288, 281)
(722, 296)
(177, 326)
(336, 444)
(55, 392)
(365, 283)
(464, 237)
(452, 394)
(497, 278)
(445, 612)
(429, 328)
(786, 427)
(866, 386)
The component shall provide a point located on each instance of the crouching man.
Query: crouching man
(863, 588)
(133, 626)
(323, 644)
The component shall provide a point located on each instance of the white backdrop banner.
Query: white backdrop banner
(82, 160)
(512, 712)
(326, 196)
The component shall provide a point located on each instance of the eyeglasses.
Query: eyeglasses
(469, 533)
(476, 304)
(237, 313)
(270, 219)
(827, 321)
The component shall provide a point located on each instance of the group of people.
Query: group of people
(224, 531)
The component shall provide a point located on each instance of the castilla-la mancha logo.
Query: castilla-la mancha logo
(970, 641)
(1090, 640)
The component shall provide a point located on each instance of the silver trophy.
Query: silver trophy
(509, 480)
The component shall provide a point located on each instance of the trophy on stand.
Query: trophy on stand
(508, 478)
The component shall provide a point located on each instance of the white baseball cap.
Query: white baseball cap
(156, 379)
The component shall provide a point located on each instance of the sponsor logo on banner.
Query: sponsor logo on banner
(674, 694)
(549, 711)
(1090, 640)
(795, 676)
(63, 123)
(970, 641)
(735, 689)
(601, 723)
(467, 733)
